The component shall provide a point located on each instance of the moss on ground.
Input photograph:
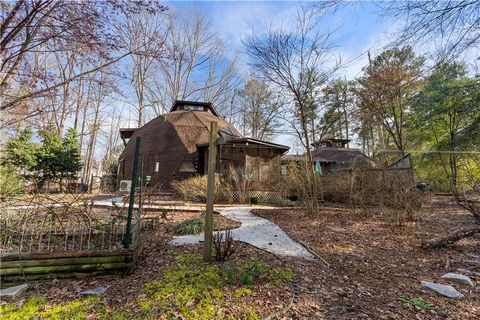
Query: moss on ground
(188, 289)
(36, 307)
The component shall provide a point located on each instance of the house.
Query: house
(174, 146)
(330, 155)
(333, 154)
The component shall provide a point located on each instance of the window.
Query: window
(121, 167)
(186, 166)
(283, 170)
(189, 107)
(157, 166)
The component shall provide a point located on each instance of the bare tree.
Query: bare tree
(47, 26)
(102, 86)
(144, 35)
(194, 66)
(454, 25)
(298, 62)
(258, 109)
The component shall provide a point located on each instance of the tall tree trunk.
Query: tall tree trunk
(79, 99)
(311, 164)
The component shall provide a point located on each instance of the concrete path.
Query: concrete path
(257, 231)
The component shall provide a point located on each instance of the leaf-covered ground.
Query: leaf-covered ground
(375, 273)
(169, 283)
(376, 268)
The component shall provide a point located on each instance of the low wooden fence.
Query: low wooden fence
(36, 266)
(43, 242)
(260, 197)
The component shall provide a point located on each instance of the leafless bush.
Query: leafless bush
(390, 191)
(242, 180)
(195, 189)
(59, 222)
(298, 183)
(400, 203)
(469, 199)
(224, 245)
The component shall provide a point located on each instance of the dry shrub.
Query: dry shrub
(224, 245)
(195, 189)
(389, 190)
(241, 181)
(297, 183)
(469, 198)
(400, 203)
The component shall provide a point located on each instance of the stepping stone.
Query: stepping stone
(470, 272)
(12, 293)
(443, 289)
(99, 291)
(459, 278)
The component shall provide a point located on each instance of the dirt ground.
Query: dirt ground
(156, 256)
(175, 218)
(374, 264)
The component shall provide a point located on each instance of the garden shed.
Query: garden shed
(174, 146)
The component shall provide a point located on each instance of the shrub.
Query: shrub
(224, 245)
(195, 189)
(192, 226)
(297, 184)
(11, 184)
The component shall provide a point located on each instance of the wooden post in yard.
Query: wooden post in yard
(212, 157)
(127, 239)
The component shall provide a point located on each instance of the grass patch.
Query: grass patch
(417, 303)
(192, 226)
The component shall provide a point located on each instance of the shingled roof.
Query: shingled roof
(342, 156)
(170, 140)
(333, 155)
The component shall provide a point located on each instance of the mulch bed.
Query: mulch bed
(374, 263)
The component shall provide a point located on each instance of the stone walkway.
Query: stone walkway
(257, 231)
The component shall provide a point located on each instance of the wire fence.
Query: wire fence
(74, 224)
(438, 168)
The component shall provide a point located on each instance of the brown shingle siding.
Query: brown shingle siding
(169, 140)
